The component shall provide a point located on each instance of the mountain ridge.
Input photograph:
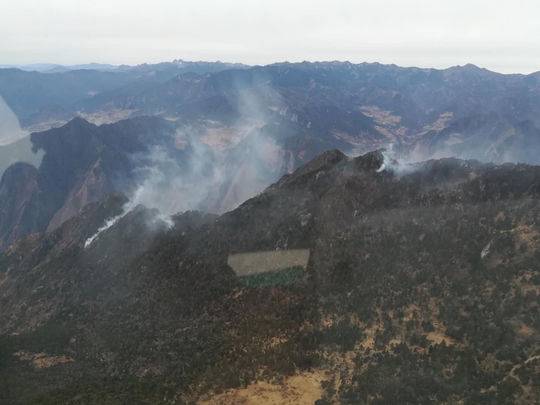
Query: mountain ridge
(178, 319)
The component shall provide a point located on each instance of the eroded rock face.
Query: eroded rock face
(93, 187)
(82, 163)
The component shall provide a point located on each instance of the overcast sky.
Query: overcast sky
(500, 35)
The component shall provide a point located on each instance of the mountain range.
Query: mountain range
(250, 124)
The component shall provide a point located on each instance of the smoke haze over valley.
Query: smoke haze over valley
(224, 132)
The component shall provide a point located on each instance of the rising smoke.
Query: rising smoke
(108, 224)
(214, 167)
(396, 163)
(222, 166)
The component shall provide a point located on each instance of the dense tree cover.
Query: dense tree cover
(419, 289)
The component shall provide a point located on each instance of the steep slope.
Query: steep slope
(172, 166)
(421, 286)
(81, 164)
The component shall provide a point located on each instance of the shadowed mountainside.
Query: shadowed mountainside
(81, 164)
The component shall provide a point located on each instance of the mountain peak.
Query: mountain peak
(323, 162)
(79, 122)
(370, 161)
(17, 171)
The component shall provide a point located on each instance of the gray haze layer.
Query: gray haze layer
(10, 129)
(503, 36)
(15, 144)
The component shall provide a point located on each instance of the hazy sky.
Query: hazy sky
(500, 35)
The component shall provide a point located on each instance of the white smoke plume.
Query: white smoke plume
(223, 164)
(216, 166)
(396, 163)
(172, 186)
(109, 223)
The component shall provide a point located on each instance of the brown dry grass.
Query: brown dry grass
(300, 389)
(42, 360)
